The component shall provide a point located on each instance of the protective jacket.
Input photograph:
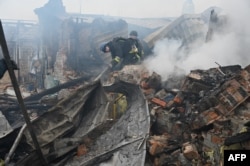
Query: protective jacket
(138, 45)
(123, 51)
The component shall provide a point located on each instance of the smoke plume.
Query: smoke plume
(228, 48)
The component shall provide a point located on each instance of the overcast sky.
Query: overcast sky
(23, 9)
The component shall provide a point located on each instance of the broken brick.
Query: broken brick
(157, 144)
(82, 150)
(209, 116)
(190, 151)
(178, 98)
(217, 139)
(159, 102)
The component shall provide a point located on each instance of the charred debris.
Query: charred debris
(84, 114)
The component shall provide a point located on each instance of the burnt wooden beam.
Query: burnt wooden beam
(55, 89)
(8, 99)
(17, 107)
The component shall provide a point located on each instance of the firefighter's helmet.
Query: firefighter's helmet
(103, 47)
(133, 33)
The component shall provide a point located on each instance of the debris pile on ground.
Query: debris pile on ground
(126, 117)
(194, 117)
(194, 123)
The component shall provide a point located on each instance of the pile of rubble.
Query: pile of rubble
(195, 117)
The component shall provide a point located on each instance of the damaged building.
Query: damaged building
(82, 113)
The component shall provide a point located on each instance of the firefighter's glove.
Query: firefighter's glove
(115, 61)
(137, 58)
(133, 50)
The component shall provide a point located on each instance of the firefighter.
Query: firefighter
(133, 38)
(123, 52)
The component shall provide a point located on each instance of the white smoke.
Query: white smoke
(230, 48)
(166, 59)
